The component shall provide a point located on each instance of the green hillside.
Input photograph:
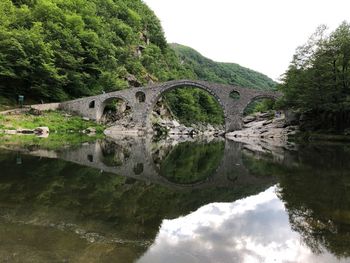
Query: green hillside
(227, 73)
(55, 50)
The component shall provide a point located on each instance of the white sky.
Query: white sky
(258, 34)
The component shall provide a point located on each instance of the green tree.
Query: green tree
(317, 81)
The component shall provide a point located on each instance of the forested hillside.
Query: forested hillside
(60, 49)
(227, 73)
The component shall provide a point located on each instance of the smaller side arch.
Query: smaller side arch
(140, 96)
(92, 104)
(103, 103)
(257, 98)
(235, 95)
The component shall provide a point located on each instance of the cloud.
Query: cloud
(254, 229)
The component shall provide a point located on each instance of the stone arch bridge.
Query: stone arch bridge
(142, 100)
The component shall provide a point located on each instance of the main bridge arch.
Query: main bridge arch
(157, 94)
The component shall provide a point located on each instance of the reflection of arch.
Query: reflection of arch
(113, 154)
(140, 96)
(138, 169)
(192, 162)
(183, 84)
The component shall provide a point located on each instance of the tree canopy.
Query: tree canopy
(61, 49)
(317, 81)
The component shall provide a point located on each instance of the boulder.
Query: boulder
(35, 112)
(267, 122)
(42, 130)
(249, 119)
(263, 131)
(210, 127)
(132, 80)
(90, 130)
(176, 123)
(175, 131)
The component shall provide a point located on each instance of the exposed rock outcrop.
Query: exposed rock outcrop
(264, 127)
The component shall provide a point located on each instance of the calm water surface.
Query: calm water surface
(134, 200)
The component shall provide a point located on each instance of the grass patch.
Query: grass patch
(65, 130)
(57, 121)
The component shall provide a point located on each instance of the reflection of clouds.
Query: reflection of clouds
(254, 229)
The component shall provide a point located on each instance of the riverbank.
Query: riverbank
(46, 129)
(271, 132)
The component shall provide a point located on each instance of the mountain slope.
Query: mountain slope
(227, 73)
(54, 50)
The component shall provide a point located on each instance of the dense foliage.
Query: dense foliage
(259, 105)
(317, 82)
(60, 49)
(192, 105)
(226, 73)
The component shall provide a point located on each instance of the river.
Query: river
(138, 200)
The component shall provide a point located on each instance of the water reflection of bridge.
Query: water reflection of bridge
(134, 157)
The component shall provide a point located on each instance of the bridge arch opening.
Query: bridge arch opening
(92, 104)
(114, 109)
(260, 104)
(192, 105)
(140, 96)
(235, 95)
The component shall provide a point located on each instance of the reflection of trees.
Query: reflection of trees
(191, 162)
(315, 190)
